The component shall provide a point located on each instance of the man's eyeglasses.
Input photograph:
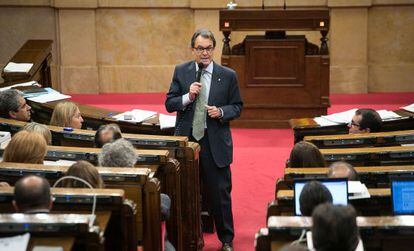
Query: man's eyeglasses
(200, 50)
(353, 123)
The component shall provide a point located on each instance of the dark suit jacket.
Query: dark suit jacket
(224, 93)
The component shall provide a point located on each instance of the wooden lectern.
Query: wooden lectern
(37, 52)
(280, 76)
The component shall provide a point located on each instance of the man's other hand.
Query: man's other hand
(213, 111)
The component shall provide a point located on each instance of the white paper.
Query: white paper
(15, 243)
(167, 121)
(30, 83)
(18, 67)
(409, 108)
(5, 138)
(357, 190)
(324, 122)
(54, 96)
(47, 248)
(136, 115)
(60, 162)
(388, 115)
(341, 117)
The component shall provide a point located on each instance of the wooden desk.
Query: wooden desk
(308, 127)
(392, 138)
(187, 154)
(66, 243)
(74, 226)
(368, 156)
(377, 233)
(378, 204)
(95, 117)
(138, 184)
(372, 177)
(280, 77)
(38, 52)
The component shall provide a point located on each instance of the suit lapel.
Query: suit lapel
(214, 82)
(190, 75)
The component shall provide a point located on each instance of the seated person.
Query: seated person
(335, 228)
(342, 169)
(305, 154)
(14, 106)
(120, 153)
(66, 114)
(32, 195)
(313, 194)
(41, 129)
(365, 120)
(26, 147)
(86, 171)
(107, 133)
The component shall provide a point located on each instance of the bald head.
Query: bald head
(32, 193)
(342, 169)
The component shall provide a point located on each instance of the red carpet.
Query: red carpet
(259, 155)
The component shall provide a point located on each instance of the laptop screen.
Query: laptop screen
(403, 196)
(337, 187)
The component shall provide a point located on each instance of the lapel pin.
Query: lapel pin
(219, 79)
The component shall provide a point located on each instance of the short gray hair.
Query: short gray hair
(203, 33)
(120, 153)
(9, 102)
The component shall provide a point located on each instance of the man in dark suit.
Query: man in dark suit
(206, 97)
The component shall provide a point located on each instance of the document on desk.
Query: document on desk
(18, 67)
(357, 190)
(53, 96)
(341, 117)
(167, 121)
(388, 115)
(135, 116)
(15, 243)
(30, 83)
(324, 122)
(409, 108)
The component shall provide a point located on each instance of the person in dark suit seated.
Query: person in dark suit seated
(206, 97)
(66, 114)
(86, 171)
(313, 194)
(32, 195)
(107, 133)
(14, 106)
(342, 169)
(305, 154)
(365, 120)
(26, 147)
(41, 129)
(335, 228)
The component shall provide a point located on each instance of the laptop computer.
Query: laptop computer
(402, 195)
(337, 187)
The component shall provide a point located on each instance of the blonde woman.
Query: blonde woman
(66, 114)
(41, 129)
(26, 147)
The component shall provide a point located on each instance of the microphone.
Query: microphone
(92, 216)
(200, 70)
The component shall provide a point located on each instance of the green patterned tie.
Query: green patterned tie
(199, 119)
